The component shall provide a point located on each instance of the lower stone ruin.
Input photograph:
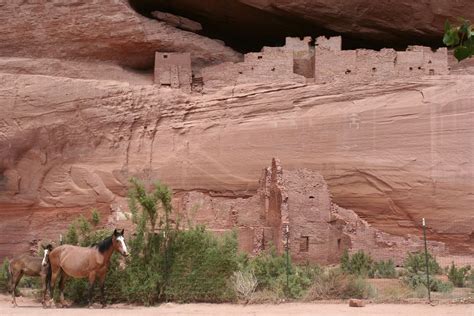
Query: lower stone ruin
(297, 203)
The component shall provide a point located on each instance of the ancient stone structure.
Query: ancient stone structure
(270, 65)
(173, 70)
(295, 204)
(332, 63)
(298, 61)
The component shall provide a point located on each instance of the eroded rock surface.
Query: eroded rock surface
(392, 152)
(97, 30)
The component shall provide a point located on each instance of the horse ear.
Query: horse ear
(123, 230)
(115, 231)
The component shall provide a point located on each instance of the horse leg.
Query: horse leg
(91, 289)
(54, 276)
(62, 283)
(15, 280)
(43, 288)
(102, 290)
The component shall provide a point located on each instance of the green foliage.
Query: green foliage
(271, 270)
(362, 264)
(338, 284)
(71, 236)
(4, 277)
(460, 37)
(201, 267)
(416, 262)
(415, 265)
(417, 280)
(95, 217)
(458, 276)
(383, 269)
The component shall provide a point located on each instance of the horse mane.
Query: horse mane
(104, 245)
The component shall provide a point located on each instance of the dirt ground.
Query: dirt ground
(28, 306)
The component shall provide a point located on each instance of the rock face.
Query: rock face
(97, 30)
(394, 153)
(385, 22)
(77, 119)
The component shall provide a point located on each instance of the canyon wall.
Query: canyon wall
(393, 152)
(79, 115)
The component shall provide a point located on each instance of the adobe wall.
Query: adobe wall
(173, 70)
(272, 64)
(334, 64)
(303, 55)
(318, 230)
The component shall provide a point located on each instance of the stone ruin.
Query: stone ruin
(173, 70)
(301, 62)
(332, 63)
(295, 204)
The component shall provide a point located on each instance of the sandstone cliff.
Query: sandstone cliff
(78, 117)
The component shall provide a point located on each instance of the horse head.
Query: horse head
(118, 242)
(47, 249)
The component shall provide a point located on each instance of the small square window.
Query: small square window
(304, 244)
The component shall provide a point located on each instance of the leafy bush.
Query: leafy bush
(4, 277)
(201, 267)
(461, 38)
(359, 263)
(383, 269)
(416, 262)
(362, 264)
(416, 280)
(458, 276)
(271, 272)
(337, 284)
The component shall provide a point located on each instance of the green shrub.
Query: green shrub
(95, 217)
(271, 272)
(416, 280)
(337, 284)
(362, 264)
(383, 269)
(4, 276)
(416, 262)
(201, 267)
(458, 276)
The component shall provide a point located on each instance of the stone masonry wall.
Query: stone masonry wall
(298, 200)
(334, 64)
(173, 70)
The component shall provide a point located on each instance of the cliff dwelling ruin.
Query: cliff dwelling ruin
(296, 204)
(301, 61)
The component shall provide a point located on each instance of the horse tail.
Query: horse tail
(9, 275)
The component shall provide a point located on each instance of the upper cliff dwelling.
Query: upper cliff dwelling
(301, 61)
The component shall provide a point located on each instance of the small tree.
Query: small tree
(95, 218)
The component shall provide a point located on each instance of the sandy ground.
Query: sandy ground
(31, 307)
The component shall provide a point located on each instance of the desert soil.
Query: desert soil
(28, 306)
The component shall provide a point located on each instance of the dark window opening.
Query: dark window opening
(240, 72)
(166, 84)
(311, 197)
(339, 243)
(259, 57)
(432, 72)
(348, 71)
(304, 244)
(411, 68)
(165, 56)
(273, 69)
(429, 61)
(374, 69)
(419, 68)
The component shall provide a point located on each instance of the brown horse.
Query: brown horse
(85, 262)
(31, 266)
